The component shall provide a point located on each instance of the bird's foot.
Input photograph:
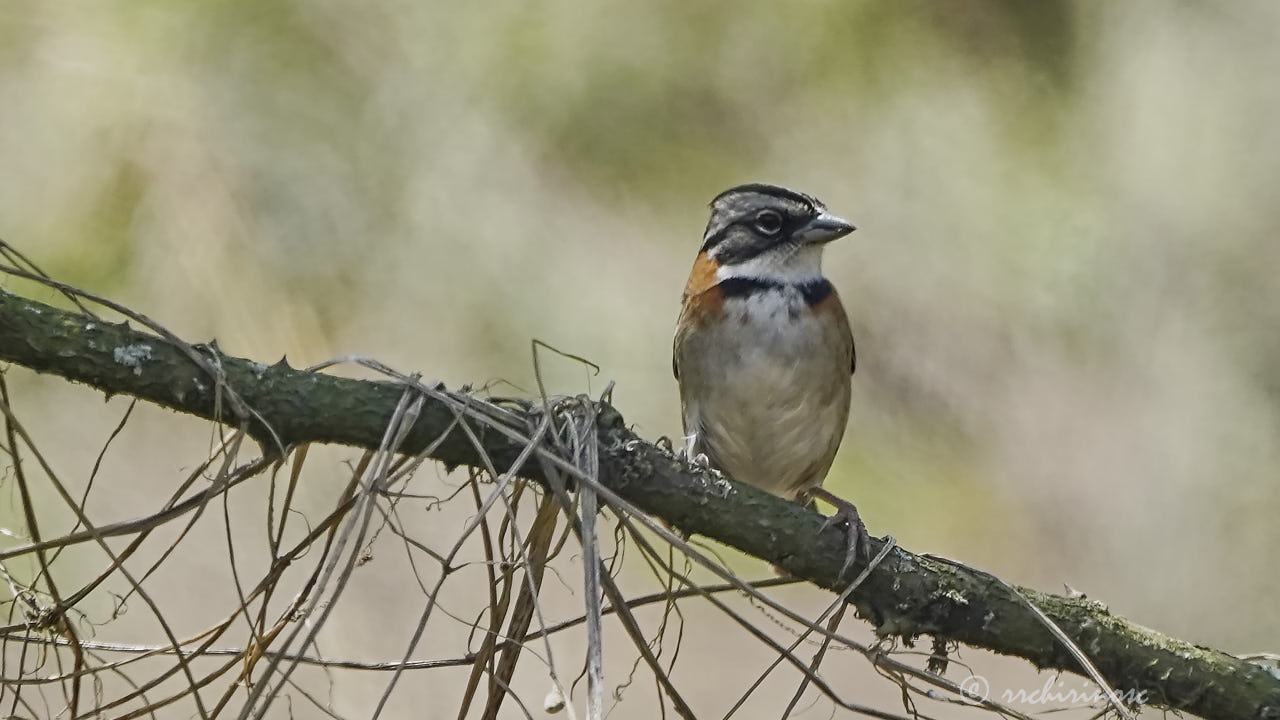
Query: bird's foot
(692, 455)
(858, 542)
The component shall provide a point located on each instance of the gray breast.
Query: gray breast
(767, 390)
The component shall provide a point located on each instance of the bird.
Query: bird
(763, 353)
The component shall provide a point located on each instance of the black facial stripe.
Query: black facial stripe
(742, 248)
(714, 240)
(734, 253)
(771, 190)
(790, 225)
(813, 291)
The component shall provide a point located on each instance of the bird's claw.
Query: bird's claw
(858, 541)
(696, 458)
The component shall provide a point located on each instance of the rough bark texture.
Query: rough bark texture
(907, 595)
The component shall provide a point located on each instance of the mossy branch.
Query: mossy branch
(907, 595)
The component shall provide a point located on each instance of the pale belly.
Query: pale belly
(768, 399)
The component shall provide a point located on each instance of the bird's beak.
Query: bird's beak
(825, 228)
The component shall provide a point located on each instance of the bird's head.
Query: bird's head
(769, 232)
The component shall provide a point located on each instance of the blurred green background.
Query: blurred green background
(1065, 285)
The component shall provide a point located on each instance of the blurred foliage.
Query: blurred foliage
(1064, 286)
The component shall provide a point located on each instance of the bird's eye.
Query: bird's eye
(768, 222)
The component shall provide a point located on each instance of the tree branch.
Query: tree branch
(906, 596)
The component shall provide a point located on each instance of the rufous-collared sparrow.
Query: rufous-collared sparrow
(763, 351)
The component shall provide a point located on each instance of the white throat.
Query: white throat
(782, 265)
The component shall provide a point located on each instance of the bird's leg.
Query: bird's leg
(691, 453)
(859, 543)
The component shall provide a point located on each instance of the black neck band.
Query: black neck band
(813, 291)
